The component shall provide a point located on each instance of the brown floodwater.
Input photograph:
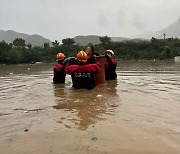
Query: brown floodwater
(137, 114)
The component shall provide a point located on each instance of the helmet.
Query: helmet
(110, 51)
(81, 56)
(60, 56)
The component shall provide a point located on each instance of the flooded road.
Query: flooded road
(137, 114)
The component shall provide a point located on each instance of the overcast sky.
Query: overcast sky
(57, 19)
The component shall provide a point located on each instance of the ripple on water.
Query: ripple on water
(156, 82)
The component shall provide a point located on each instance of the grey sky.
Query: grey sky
(57, 19)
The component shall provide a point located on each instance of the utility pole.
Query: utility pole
(164, 36)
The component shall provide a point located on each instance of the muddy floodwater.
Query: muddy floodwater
(137, 114)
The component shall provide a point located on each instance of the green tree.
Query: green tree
(55, 43)
(46, 45)
(29, 46)
(68, 41)
(4, 48)
(153, 39)
(14, 56)
(166, 53)
(105, 40)
(19, 42)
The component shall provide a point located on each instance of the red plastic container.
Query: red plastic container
(100, 76)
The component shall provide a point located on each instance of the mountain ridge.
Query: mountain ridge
(173, 30)
(94, 39)
(35, 39)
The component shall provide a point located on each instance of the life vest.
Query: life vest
(83, 75)
(58, 67)
(59, 73)
(110, 69)
(110, 63)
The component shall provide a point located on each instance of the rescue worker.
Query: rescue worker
(82, 73)
(91, 52)
(59, 69)
(110, 65)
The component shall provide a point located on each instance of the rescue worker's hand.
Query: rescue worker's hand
(66, 60)
(92, 59)
(72, 61)
(107, 57)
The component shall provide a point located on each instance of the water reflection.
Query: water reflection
(86, 107)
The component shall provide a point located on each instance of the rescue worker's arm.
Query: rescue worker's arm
(67, 69)
(70, 69)
(70, 60)
(111, 61)
(83, 68)
(96, 67)
(92, 59)
(55, 76)
(96, 53)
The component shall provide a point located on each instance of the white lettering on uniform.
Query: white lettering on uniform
(83, 75)
(89, 75)
(79, 75)
(75, 75)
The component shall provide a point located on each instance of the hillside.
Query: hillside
(173, 30)
(35, 40)
(94, 39)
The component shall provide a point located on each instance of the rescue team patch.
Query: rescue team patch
(82, 75)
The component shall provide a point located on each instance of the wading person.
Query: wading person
(82, 73)
(110, 65)
(59, 69)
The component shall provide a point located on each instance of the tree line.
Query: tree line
(20, 52)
